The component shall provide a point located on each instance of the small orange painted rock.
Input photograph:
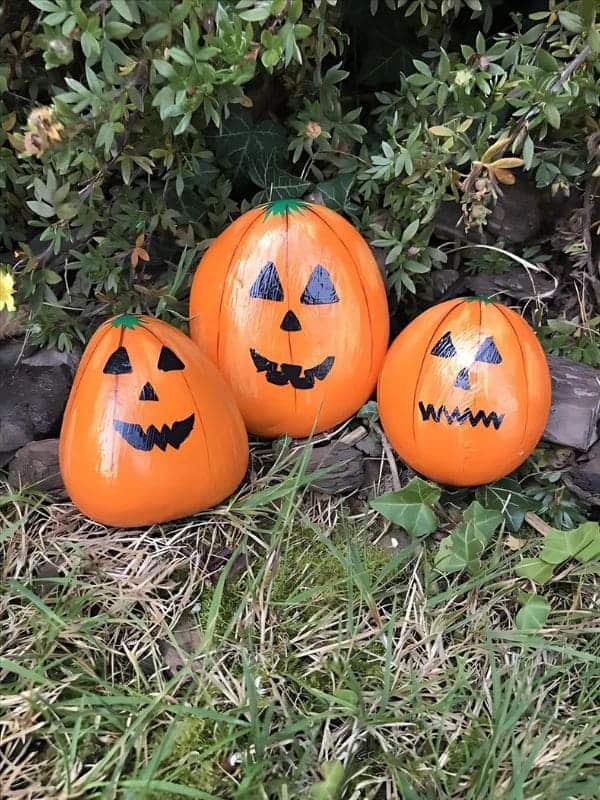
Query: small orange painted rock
(151, 431)
(464, 393)
(289, 304)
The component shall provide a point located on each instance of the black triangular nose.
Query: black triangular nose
(462, 379)
(148, 392)
(290, 322)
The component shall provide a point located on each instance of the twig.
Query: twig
(570, 69)
(537, 523)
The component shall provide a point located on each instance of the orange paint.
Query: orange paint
(464, 393)
(289, 303)
(151, 432)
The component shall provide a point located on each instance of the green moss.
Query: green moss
(196, 758)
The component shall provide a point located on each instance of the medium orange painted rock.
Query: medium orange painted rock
(289, 304)
(151, 431)
(464, 393)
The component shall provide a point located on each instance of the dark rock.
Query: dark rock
(516, 284)
(575, 412)
(36, 464)
(585, 477)
(34, 387)
(345, 464)
(516, 217)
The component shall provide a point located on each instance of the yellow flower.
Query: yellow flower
(7, 290)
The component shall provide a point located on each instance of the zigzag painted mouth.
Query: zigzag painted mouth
(174, 435)
(290, 373)
(438, 414)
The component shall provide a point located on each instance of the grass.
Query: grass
(274, 649)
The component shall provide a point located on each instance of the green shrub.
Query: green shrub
(132, 131)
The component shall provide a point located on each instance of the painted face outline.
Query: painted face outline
(319, 290)
(487, 353)
(133, 433)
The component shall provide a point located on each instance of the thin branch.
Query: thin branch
(570, 69)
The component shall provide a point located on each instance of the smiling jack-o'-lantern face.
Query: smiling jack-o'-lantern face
(464, 393)
(290, 305)
(150, 432)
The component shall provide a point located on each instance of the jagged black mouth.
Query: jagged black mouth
(174, 435)
(290, 373)
(430, 412)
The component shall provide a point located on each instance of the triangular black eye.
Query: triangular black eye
(319, 289)
(118, 363)
(488, 352)
(267, 286)
(168, 360)
(445, 347)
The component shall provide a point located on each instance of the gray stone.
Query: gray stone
(34, 387)
(36, 464)
(575, 412)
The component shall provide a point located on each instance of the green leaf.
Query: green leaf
(158, 31)
(336, 192)
(242, 142)
(181, 56)
(441, 130)
(410, 231)
(164, 68)
(330, 788)
(446, 559)
(41, 209)
(278, 183)
(506, 496)
(117, 30)
(532, 617)
(465, 545)
(559, 546)
(528, 151)
(552, 115)
(123, 9)
(411, 507)
(255, 14)
(89, 44)
(594, 40)
(570, 21)
(535, 569)
(45, 5)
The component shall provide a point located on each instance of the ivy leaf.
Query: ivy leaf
(330, 788)
(465, 545)
(535, 569)
(336, 192)
(583, 541)
(532, 617)
(411, 507)
(506, 496)
(241, 143)
(278, 184)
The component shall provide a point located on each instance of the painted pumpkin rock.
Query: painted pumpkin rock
(290, 305)
(150, 432)
(464, 393)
